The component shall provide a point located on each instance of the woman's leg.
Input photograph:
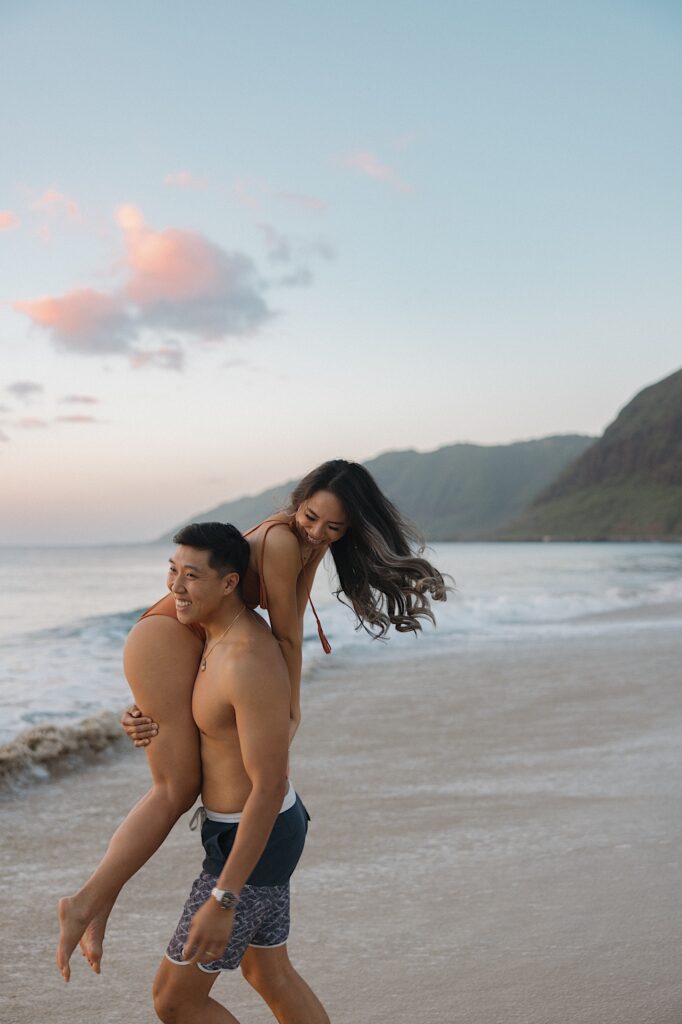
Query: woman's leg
(161, 658)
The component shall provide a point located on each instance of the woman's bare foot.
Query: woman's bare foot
(72, 923)
(92, 939)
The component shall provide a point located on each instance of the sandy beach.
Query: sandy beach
(495, 838)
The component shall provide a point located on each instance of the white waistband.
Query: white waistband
(287, 803)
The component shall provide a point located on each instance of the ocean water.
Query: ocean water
(65, 612)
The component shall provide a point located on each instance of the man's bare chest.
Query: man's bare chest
(212, 708)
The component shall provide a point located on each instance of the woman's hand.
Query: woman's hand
(140, 729)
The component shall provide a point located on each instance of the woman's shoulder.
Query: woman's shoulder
(279, 544)
(276, 519)
(278, 529)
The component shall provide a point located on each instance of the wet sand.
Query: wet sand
(496, 838)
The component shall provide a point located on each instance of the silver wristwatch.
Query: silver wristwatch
(226, 899)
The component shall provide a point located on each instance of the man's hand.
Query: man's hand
(209, 933)
(140, 729)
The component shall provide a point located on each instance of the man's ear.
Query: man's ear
(231, 582)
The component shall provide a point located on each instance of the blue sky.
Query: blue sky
(239, 239)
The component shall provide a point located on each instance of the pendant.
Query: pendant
(203, 665)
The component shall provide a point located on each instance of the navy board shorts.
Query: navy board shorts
(262, 916)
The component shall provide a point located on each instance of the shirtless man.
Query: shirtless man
(254, 824)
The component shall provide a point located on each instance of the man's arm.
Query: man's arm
(260, 697)
(261, 705)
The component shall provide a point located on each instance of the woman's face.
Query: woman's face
(321, 519)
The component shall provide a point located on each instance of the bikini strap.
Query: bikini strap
(262, 592)
(326, 646)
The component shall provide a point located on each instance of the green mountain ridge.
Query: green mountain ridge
(626, 486)
(458, 492)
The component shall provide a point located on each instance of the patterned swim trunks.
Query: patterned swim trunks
(262, 914)
(261, 919)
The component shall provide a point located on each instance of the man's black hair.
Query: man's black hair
(228, 551)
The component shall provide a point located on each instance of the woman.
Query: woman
(336, 507)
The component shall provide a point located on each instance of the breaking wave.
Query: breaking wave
(45, 750)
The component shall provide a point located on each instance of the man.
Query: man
(254, 823)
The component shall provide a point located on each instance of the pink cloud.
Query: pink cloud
(370, 165)
(82, 320)
(51, 199)
(168, 265)
(185, 179)
(76, 418)
(8, 220)
(179, 280)
(175, 280)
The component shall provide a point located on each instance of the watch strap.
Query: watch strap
(225, 898)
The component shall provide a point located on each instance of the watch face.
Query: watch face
(225, 898)
(228, 900)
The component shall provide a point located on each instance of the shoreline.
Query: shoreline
(48, 751)
(494, 838)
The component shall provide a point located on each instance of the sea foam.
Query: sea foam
(41, 751)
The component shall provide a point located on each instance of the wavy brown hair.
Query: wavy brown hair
(378, 560)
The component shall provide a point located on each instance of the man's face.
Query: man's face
(197, 588)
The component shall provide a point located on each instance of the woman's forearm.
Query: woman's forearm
(291, 650)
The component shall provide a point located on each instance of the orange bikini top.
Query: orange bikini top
(263, 597)
(166, 606)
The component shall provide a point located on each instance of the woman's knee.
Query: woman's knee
(182, 794)
(170, 797)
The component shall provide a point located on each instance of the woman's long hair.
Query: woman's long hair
(378, 560)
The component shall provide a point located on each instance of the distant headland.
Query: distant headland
(623, 486)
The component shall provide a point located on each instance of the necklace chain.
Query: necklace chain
(220, 639)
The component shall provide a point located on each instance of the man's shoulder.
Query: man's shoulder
(255, 655)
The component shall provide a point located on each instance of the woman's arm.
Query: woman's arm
(280, 566)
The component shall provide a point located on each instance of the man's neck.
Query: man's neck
(224, 616)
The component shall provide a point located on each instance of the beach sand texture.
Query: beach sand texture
(495, 838)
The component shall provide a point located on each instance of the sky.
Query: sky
(239, 239)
